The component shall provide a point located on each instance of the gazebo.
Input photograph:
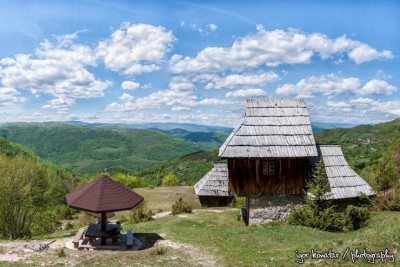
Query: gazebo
(103, 195)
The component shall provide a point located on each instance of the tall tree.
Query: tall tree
(23, 193)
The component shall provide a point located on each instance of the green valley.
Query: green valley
(90, 150)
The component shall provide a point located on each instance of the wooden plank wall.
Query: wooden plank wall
(246, 177)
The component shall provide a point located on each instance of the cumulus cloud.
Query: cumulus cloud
(385, 107)
(213, 27)
(333, 85)
(273, 48)
(377, 87)
(325, 84)
(128, 85)
(216, 102)
(237, 80)
(246, 93)
(56, 69)
(179, 96)
(203, 30)
(10, 96)
(364, 53)
(340, 104)
(126, 97)
(136, 48)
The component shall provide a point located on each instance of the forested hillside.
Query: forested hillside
(364, 145)
(188, 169)
(90, 150)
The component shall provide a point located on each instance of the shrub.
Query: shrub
(356, 217)
(319, 212)
(364, 201)
(301, 215)
(141, 214)
(61, 253)
(180, 206)
(238, 202)
(389, 200)
(170, 180)
(44, 223)
(159, 250)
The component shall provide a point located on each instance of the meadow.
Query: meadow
(215, 237)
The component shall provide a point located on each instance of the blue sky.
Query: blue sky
(197, 61)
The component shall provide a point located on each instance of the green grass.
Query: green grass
(221, 235)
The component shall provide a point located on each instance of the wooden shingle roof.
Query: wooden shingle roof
(214, 183)
(344, 181)
(272, 128)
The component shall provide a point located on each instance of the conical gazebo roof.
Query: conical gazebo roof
(103, 195)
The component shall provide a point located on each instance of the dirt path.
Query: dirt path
(197, 256)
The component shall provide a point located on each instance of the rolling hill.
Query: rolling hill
(188, 169)
(90, 150)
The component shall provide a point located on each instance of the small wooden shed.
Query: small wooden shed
(212, 189)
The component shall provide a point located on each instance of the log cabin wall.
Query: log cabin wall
(253, 176)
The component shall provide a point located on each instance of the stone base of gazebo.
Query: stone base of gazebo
(121, 245)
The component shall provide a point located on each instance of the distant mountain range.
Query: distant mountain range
(166, 126)
(151, 150)
(90, 150)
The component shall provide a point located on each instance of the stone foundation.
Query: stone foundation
(263, 209)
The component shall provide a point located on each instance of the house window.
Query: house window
(268, 168)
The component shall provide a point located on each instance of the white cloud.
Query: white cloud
(362, 100)
(213, 27)
(55, 69)
(128, 85)
(246, 93)
(340, 104)
(181, 93)
(333, 85)
(216, 102)
(10, 96)
(236, 80)
(179, 96)
(273, 48)
(136, 48)
(377, 87)
(61, 104)
(364, 53)
(325, 84)
(126, 97)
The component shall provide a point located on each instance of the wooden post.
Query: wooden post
(103, 227)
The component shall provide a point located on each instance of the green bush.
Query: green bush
(159, 250)
(301, 215)
(389, 200)
(140, 214)
(327, 220)
(170, 180)
(319, 212)
(44, 223)
(357, 217)
(238, 202)
(180, 206)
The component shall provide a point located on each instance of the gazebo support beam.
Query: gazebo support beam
(103, 227)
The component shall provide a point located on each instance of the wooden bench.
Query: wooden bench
(78, 236)
(129, 239)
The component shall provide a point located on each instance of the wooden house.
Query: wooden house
(212, 189)
(270, 156)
